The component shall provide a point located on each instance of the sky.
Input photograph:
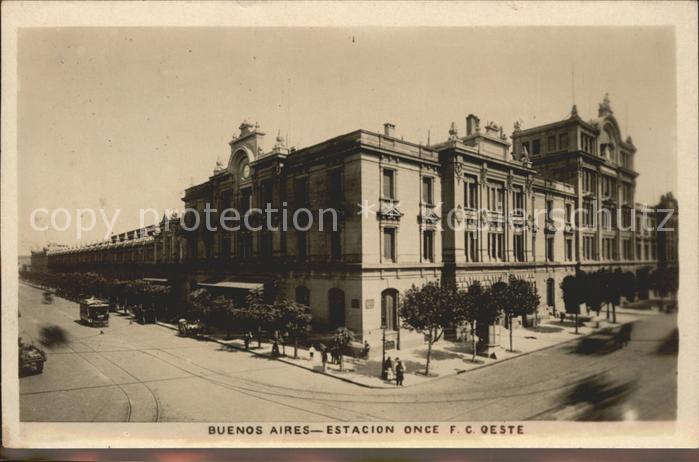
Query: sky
(127, 118)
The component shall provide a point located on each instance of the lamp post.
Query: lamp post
(383, 351)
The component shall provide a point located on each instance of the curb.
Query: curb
(453, 374)
(601, 330)
(262, 355)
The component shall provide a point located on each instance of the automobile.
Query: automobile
(189, 328)
(31, 358)
(94, 312)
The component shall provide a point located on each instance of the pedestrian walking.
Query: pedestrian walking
(624, 336)
(400, 370)
(311, 352)
(365, 351)
(275, 348)
(247, 338)
(324, 358)
(388, 369)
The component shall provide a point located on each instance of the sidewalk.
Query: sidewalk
(448, 358)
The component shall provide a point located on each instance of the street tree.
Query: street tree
(496, 299)
(643, 283)
(344, 337)
(611, 290)
(591, 284)
(472, 308)
(223, 310)
(294, 320)
(522, 300)
(259, 314)
(665, 281)
(573, 295)
(428, 310)
(628, 286)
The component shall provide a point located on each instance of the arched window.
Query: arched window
(336, 308)
(303, 295)
(389, 309)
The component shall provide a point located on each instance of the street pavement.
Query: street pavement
(129, 372)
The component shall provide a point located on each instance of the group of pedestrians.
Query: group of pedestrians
(393, 371)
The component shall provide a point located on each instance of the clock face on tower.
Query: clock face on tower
(246, 172)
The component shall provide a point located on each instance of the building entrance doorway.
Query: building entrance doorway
(336, 308)
(551, 294)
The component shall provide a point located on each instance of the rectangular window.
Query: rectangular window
(336, 245)
(389, 189)
(427, 190)
(245, 201)
(496, 243)
(604, 217)
(470, 193)
(552, 143)
(569, 213)
(536, 147)
(389, 244)
(496, 197)
(428, 245)
(588, 213)
(549, 210)
(517, 201)
(302, 244)
(471, 246)
(518, 246)
(335, 187)
(266, 244)
(589, 182)
(569, 249)
(563, 141)
(626, 249)
(301, 193)
(525, 147)
(245, 244)
(549, 248)
(267, 194)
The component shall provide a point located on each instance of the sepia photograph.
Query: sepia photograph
(291, 234)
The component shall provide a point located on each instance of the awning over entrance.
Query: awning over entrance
(233, 285)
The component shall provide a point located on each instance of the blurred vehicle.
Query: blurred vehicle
(353, 349)
(31, 358)
(144, 315)
(189, 328)
(94, 312)
(48, 297)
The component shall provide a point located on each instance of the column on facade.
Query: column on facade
(618, 218)
(597, 208)
(526, 235)
(507, 235)
(482, 191)
(457, 229)
(577, 223)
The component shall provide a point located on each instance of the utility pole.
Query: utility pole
(383, 351)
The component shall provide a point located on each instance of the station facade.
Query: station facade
(472, 207)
